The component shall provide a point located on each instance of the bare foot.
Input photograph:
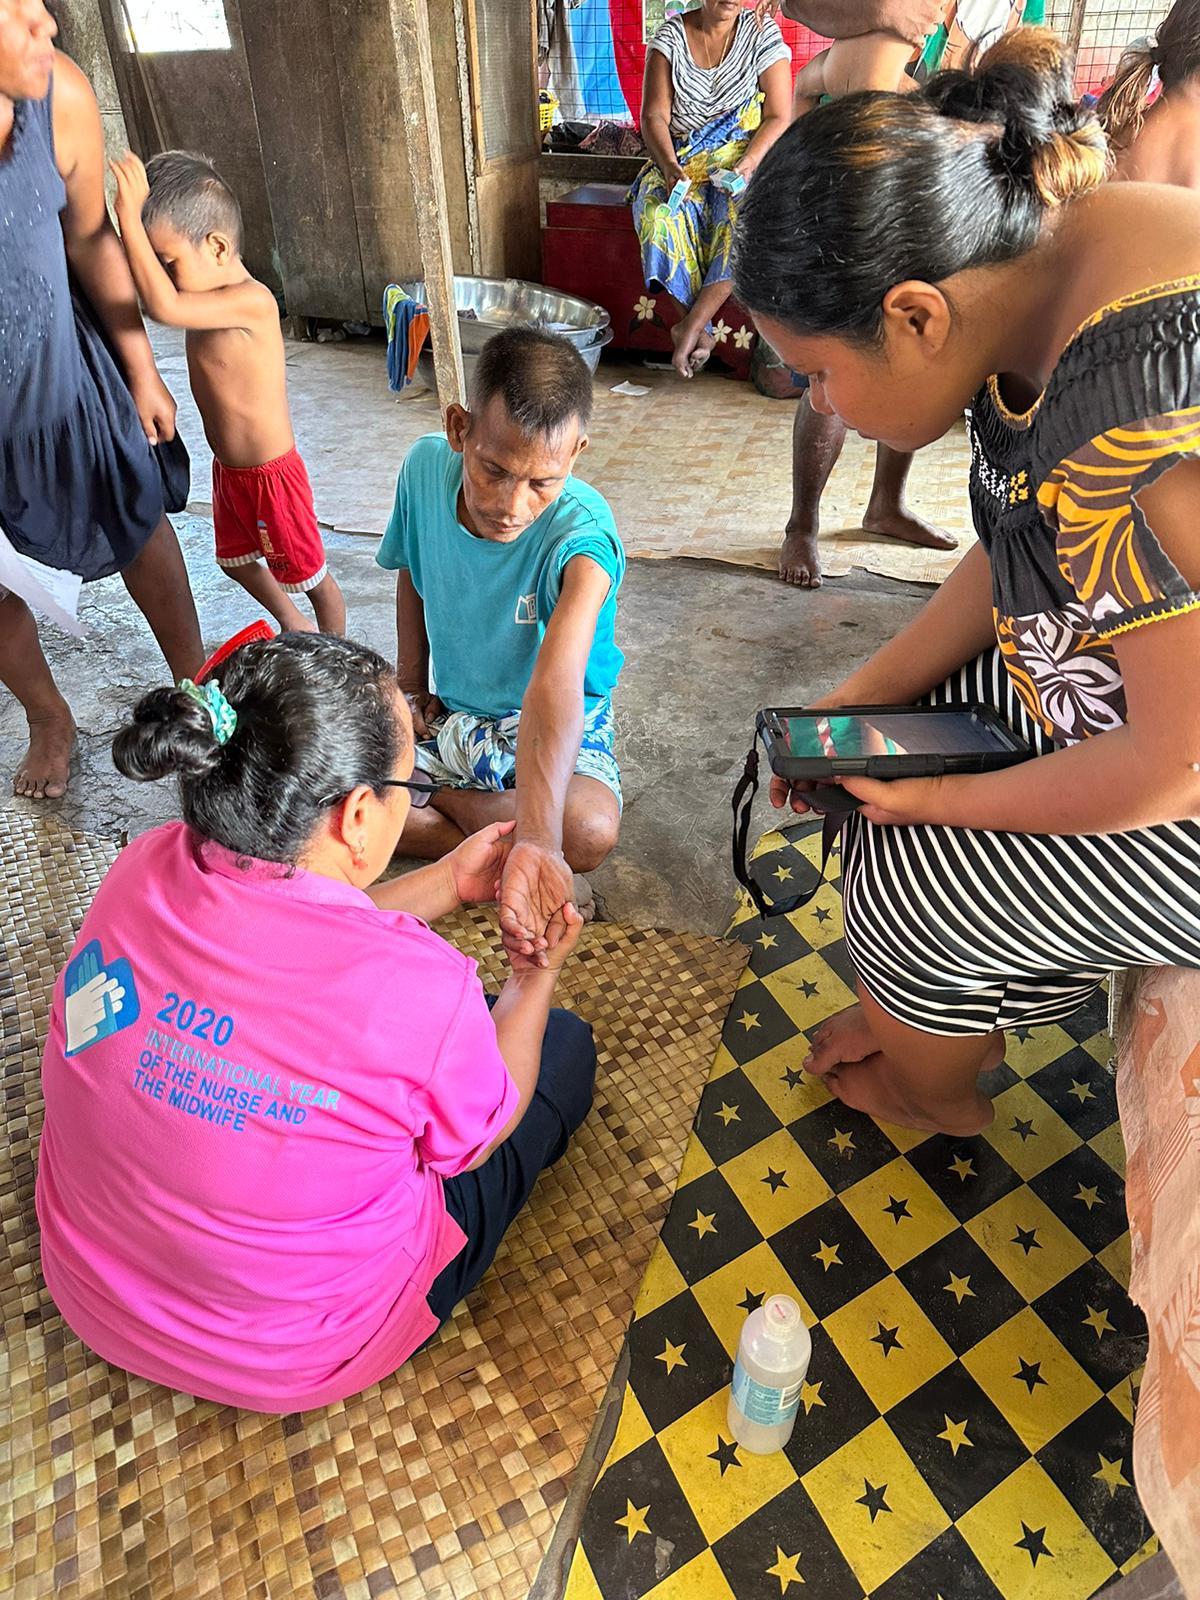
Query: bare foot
(897, 522)
(693, 346)
(799, 562)
(843, 1039)
(46, 768)
(866, 1086)
(585, 900)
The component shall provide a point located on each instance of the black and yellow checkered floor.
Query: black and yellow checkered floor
(965, 1430)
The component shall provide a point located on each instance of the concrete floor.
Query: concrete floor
(706, 645)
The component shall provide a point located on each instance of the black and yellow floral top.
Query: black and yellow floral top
(1054, 497)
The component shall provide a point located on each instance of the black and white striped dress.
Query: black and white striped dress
(700, 94)
(958, 931)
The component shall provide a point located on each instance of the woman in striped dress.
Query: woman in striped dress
(981, 262)
(716, 97)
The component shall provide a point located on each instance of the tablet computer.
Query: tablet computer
(887, 741)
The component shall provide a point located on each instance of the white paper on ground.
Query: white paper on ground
(634, 389)
(53, 594)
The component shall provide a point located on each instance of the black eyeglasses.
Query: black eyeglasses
(421, 789)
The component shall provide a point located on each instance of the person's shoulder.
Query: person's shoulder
(415, 958)
(73, 109)
(152, 855)
(669, 35)
(768, 40)
(428, 453)
(582, 508)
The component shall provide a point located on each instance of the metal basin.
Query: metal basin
(425, 370)
(488, 305)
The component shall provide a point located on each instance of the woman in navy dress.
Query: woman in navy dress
(80, 405)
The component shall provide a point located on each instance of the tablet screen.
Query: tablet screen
(890, 733)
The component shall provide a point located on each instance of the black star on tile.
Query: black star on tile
(897, 1209)
(725, 1455)
(808, 990)
(1033, 1540)
(1027, 1238)
(1023, 1034)
(822, 915)
(886, 1338)
(1030, 1374)
(1023, 1128)
(793, 1077)
(775, 1180)
(752, 1301)
(873, 1499)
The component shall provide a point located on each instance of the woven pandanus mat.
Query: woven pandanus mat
(447, 1479)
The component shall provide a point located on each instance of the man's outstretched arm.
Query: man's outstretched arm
(913, 20)
(537, 880)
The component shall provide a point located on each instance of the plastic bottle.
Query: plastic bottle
(772, 1361)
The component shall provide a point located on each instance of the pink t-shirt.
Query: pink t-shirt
(255, 1085)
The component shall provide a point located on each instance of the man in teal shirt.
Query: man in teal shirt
(507, 576)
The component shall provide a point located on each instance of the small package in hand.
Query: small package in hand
(678, 195)
(725, 178)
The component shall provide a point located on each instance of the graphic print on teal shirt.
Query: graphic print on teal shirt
(487, 604)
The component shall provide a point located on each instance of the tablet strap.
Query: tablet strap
(743, 805)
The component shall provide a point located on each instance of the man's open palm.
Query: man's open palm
(536, 884)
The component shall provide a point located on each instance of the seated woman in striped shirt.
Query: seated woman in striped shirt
(717, 96)
(958, 247)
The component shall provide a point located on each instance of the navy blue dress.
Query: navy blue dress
(80, 488)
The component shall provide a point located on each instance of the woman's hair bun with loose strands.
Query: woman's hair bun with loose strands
(873, 190)
(1024, 86)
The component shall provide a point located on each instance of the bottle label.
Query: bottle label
(759, 1402)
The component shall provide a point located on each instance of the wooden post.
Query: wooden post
(414, 71)
(1075, 27)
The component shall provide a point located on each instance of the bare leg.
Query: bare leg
(45, 768)
(258, 582)
(693, 342)
(894, 1072)
(158, 582)
(886, 511)
(428, 835)
(591, 821)
(817, 442)
(329, 605)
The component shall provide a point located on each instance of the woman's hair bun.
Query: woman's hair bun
(1024, 85)
(171, 733)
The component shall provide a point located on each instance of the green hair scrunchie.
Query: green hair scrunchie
(212, 697)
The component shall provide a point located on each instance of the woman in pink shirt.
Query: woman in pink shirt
(284, 1135)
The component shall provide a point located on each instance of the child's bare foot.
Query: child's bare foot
(45, 769)
(799, 562)
(585, 900)
(693, 346)
(897, 522)
(843, 1039)
(867, 1086)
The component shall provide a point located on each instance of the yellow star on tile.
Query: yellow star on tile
(782, 873)
(827, 1255)
(634, 1520)
(1089, 1196)
(672, 1355)
(1081, 1091)
(704, 1223)
(767, 941)
(960, 1288)
(785, 1569)
(1110, 1473)
(955, 1435)
(1099, 1321)
(962, 1168)
(842, 1142)
(810, 1395)
(748, 1020)
(727, 1114)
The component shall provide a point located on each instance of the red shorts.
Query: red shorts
(267, 513)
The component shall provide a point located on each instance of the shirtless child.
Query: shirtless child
(868, 61)
(182, 232)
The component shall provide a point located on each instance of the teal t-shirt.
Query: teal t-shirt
(487, 604)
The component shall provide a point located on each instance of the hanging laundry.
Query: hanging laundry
(407, 323)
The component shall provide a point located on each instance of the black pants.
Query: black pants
(485, 1202)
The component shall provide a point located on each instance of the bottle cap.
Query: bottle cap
(781, 1317)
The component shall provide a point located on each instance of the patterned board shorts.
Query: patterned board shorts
(469, 752)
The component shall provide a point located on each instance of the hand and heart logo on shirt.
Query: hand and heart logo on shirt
(101, 998)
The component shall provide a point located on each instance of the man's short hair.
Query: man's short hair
(188, 192)
(543, 380)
